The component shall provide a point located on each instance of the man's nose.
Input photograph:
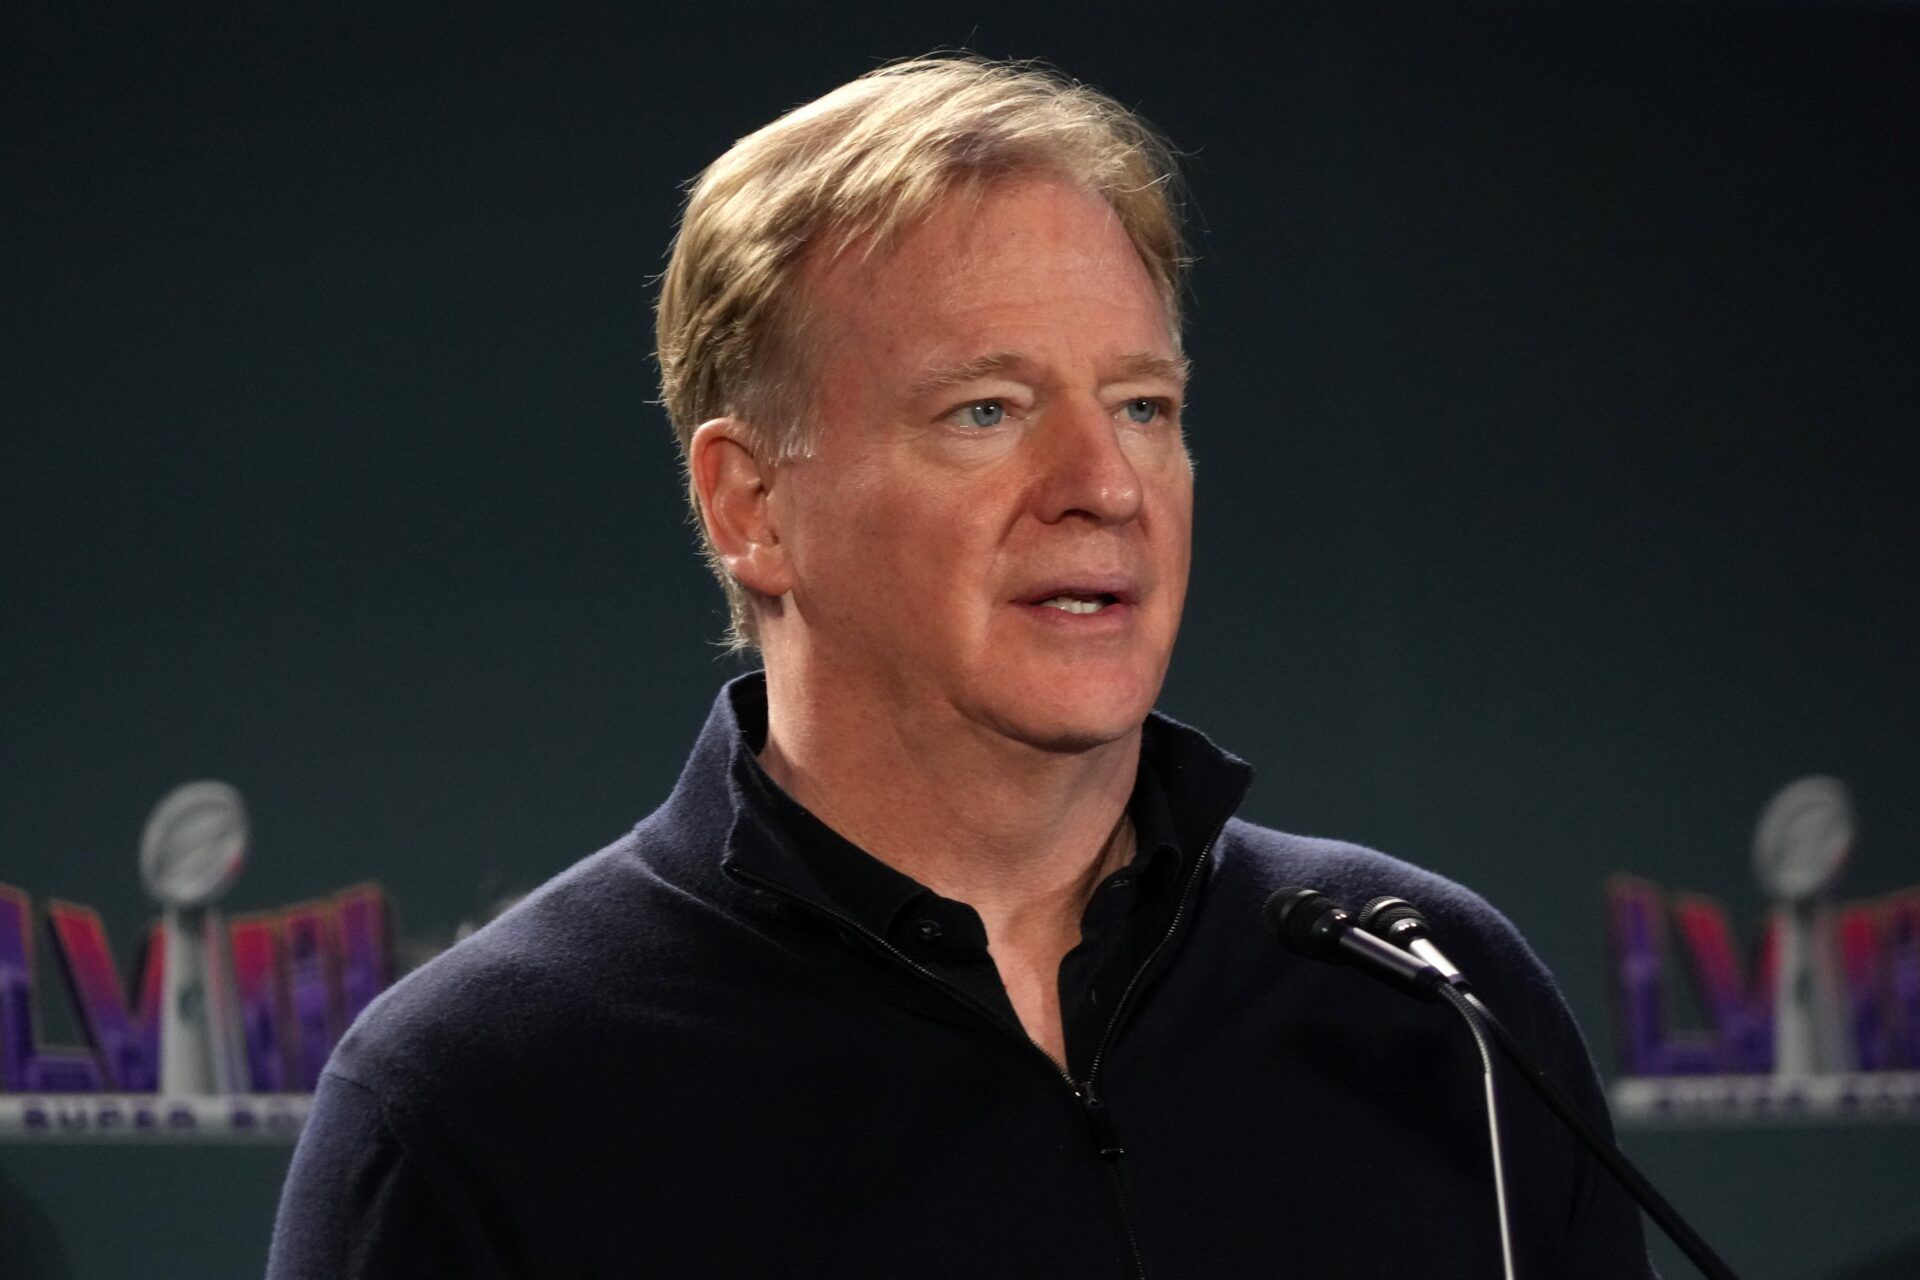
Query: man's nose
(1085, 467)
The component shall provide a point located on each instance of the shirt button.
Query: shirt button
(929, 930)
(1120, 882)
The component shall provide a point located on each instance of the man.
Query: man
(943, 958)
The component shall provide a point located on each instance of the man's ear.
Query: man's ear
(735, 490)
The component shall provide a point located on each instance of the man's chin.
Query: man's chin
(1079, 742)
(1057, 721)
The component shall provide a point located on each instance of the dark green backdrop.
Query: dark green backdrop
(1554, 421)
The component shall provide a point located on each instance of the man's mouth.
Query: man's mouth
(1078, 603)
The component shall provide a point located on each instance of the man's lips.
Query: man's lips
(1081, 595)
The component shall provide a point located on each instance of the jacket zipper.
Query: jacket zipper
(1173, 927)
(1106, 1137)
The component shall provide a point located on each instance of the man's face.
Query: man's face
(995, 523)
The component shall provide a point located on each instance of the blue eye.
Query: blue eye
(984, 413)
(1143, 410)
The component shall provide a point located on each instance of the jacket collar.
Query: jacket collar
(719, 790)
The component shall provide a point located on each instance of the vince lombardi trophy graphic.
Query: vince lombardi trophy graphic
(1799, 849)
(190, 854)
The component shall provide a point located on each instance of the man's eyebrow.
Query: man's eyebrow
(947, 377)
(1148, 367)
(1133, 366)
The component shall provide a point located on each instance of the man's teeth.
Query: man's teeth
(1073, 604)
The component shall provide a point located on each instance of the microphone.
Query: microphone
(1314, 925)
(1399, 922)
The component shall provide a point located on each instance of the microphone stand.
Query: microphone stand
(1400, 922)
(1476, 1017)
(1316, 926)
(1609, 1155)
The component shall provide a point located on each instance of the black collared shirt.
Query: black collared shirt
(1127, 916)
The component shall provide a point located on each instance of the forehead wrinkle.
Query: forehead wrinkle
(950, 264)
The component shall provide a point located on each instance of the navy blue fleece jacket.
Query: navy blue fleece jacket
(679, 1059)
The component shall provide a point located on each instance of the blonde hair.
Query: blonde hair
(865, 163)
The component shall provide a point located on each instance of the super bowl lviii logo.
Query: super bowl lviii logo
(224, 1024)
(1819, 1018)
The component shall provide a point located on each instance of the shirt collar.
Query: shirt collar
(856, 882)
(775, 837)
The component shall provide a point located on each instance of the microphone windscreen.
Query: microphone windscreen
(1292, 914)
(1380, 916)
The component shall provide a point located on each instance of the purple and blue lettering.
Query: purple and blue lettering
(361, 913)
(1860, 973)
(24, 1066)
(1636, 916)
(255, 944)
(125, 1040)
(1903, 979)
(1742, 1011)
(308, 933)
